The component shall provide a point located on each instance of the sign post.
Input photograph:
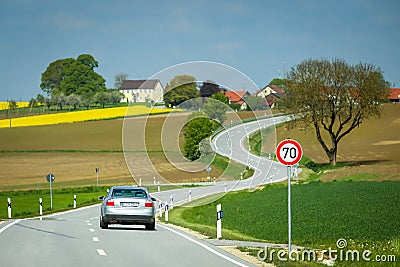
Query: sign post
(289, 153)
(220, 215)
(97, 176)
(208, 169)
(50, 178)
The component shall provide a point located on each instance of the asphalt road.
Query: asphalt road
(74, 238)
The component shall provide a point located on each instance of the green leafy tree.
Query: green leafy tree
(115, 97)
(59, 99)
(221, 98)
(70, 76)
(87, 100)
(334, 97)
(102, 98)
(73, 100)
(180, 89)
(195, 131)
(40, 99)
(281, 83)
(54, 75)
(256, 103)
(216, 109)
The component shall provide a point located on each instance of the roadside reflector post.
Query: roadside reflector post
(166, 211)
(171, 198)
(140, 182)
(40, 206)
(220, 215)
(9, 207)
(158, 186)
(190, 195)
(160, 208)
(225, 187)
(74, 201)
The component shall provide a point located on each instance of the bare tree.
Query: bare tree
(119, 79)
(334, 97)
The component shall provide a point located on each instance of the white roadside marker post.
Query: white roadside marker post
(74, 201)
(140, 182)
(225, 187)
(158, 186)
(171, 198)
(220, 215)
(9, 207)
(160, 208)
(166, 211)
(40, 206)
(190, 195)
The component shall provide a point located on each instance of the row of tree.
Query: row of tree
(73, 100)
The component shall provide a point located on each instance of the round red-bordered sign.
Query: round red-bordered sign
(289, 152)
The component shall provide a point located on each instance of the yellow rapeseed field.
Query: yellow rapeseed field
(5, 105)
(77, 116)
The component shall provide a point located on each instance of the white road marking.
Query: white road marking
(101, 252)
(91, 230)
(89, 224)
(95, 239)
(204, 246)
(9, 225)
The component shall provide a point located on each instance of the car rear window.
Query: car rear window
(119, 192)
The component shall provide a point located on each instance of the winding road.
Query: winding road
(74, 238)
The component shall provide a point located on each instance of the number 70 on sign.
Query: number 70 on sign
(289, 152)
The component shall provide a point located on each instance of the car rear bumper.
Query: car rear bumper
(128, 219)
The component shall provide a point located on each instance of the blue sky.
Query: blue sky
(140, 38)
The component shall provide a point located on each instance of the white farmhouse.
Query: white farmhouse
(141, 91)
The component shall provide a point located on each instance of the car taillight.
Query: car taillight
(148, 204)
(110, 202)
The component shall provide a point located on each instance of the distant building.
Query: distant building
(394, 95)
(140, 91)
(237, 97)
(271, 93)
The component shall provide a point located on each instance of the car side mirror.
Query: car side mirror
(153, 199)
(101, 197)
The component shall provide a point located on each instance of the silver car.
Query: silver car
(128, 205)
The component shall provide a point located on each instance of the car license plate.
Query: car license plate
(130, 204)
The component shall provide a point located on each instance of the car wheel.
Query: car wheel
(151, 226)
(103, 225)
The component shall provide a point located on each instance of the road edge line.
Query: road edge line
(203, 246)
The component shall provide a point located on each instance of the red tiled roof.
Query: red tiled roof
(394, 93)
(233, 97)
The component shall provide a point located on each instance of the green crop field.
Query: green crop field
(322, 213)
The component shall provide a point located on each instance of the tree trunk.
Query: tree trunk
(332, 158)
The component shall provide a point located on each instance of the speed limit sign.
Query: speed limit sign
(289, 152)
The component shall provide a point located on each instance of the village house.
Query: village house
(140, 91)
(237, 97)
(271, 93)
(394, 95)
